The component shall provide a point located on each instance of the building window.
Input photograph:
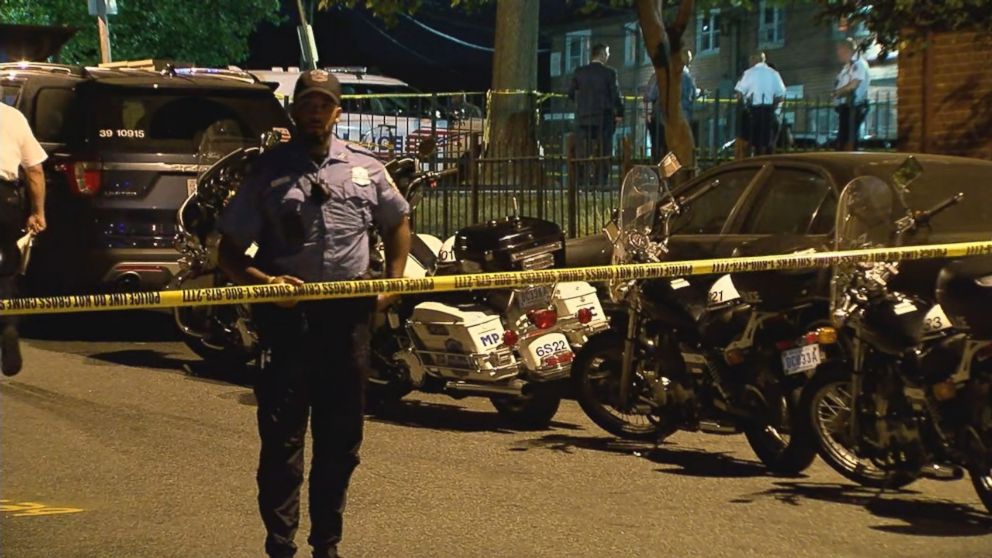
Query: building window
(576, 49)
(631, 43)
(771, 26)
(555, 64)
(708, 32)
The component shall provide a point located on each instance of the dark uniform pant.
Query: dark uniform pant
(12, 221)
(314, 369)
(594, 149)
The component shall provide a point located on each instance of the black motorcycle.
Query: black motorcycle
(905, 392)
(691, 354)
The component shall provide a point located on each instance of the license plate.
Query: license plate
(190, 186)
(533, 297)
(802, 359)
(549, 345)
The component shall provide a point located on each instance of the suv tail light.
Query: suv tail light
(84, 178)
(543, 319)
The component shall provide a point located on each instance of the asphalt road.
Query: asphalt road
(131, 448)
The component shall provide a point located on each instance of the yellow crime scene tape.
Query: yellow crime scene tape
(448, 283)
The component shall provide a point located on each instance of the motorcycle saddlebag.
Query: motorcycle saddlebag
(964, 290)
(511, 244)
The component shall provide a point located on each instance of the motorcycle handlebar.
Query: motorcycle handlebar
(926, 215)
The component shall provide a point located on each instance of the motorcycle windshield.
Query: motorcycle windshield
(867, 214)
(219, 140)
(867, 217)
(639, 197)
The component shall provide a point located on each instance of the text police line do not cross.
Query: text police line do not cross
(448, 283)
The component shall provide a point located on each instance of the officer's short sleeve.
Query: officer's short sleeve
(390, 207)
(32, 153)
(859, 71)
(242, 219)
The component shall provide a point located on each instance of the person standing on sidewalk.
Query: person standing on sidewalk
(761, 89)
(850, 95)
(18, 150)
(308, 206)
(598, 110)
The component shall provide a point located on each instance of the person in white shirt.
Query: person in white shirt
(850, 95)
(760, 89)
(18, 150)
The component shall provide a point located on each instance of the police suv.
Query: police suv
(122, 144)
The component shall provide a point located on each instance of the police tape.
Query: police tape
(449, 283)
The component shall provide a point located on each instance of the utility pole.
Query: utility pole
(101, 9)
(308, 46)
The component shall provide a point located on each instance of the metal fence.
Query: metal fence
(537, 161)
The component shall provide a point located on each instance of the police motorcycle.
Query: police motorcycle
(905, 391)
(513, 346)
(217, 333)
(692, 354)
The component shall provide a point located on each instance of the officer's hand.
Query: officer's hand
(384, 301)
(286, 280)
(36, 223)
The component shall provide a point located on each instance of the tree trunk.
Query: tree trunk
(512, 130)
(665, 47)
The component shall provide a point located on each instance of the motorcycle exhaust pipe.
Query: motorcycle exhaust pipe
(515, 388)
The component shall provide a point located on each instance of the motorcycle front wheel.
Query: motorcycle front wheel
(596, 375)
(827, 404)
(982, 480)
(533, 411)
(218, 334)
(776, 436)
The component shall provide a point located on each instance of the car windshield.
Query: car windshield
(174, 121)
(392, 100)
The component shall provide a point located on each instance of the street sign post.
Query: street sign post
(101, 9)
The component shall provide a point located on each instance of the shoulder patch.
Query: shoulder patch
(358, 149)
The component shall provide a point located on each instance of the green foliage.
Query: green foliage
(207, 32)
(892, 20)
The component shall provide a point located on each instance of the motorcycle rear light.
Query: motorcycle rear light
(550, 361)
(83, 178)
(543, 319)
(812, 338)
(734, 357)
(826, 336)
(784, 345)
(584, 315)
(565, 358)
(510, 338)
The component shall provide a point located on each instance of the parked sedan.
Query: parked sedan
(796, 195)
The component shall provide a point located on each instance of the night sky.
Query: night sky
(408, 50)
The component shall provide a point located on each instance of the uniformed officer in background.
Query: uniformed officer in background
(18, 149)
(308, 206)
(761, 89)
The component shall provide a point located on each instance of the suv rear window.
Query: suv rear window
(173, 121)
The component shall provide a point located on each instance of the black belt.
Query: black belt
(8, 183)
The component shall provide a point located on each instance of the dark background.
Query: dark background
(404, 49)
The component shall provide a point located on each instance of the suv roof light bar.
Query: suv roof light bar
(224, 73)
(347, 69)
(41, 67)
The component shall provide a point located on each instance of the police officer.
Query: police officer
(308, 206)
(850, 94)
(18, 149)
(761, 89)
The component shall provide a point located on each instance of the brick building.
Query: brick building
(799, 46)
(945, 104)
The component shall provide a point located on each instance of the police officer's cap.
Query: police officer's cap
(318, 81)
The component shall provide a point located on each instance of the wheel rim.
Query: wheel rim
(603, 382)
(831, 415)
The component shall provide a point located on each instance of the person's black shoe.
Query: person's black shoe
(10, 352)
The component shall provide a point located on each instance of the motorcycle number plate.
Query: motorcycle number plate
(190, 186)
(533, 297)
(795, 361)
(549, 345)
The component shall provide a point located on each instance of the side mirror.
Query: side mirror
(669, 165)
(426, 148)
(907, 173)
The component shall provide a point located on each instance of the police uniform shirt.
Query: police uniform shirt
(760, 85)
(855, 70)
(18, 147)
(312, 220)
